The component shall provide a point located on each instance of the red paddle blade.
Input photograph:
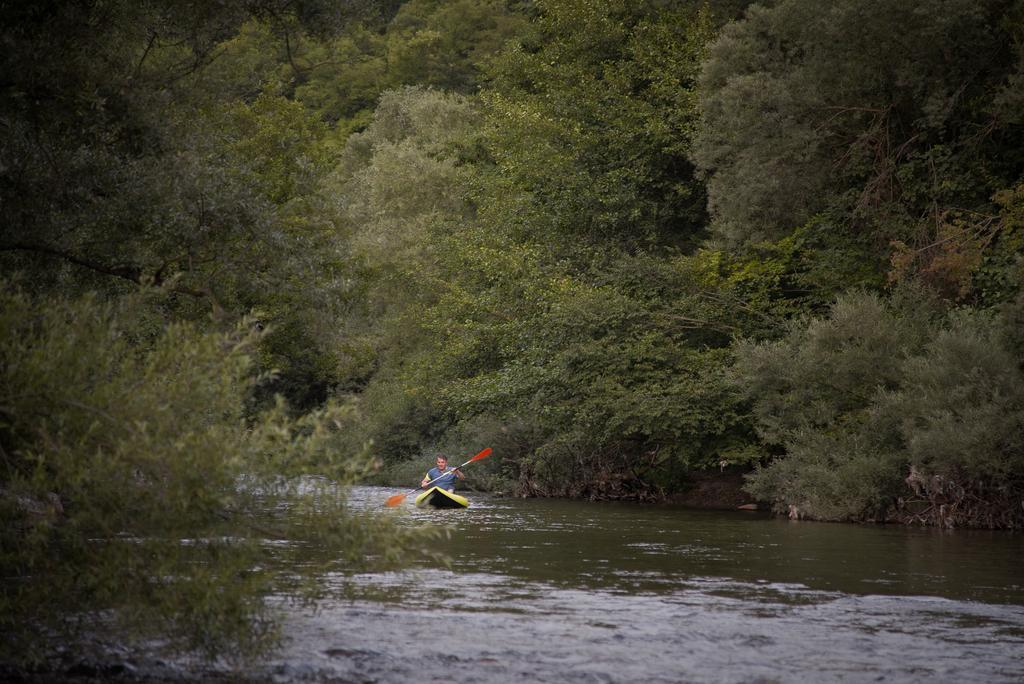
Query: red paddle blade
(483, 454)
(394, 500)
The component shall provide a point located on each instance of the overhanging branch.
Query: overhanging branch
(125, 271)
(130, 272)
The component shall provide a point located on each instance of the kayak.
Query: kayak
(441, 498)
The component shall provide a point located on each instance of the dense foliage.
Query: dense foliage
(893, 401)
(569, 298)
(141, 447)
(874, 108)
(134, 482)
(621, 242)
(897, 128)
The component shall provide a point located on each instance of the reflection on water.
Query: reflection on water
(558, 591)
(633, 547)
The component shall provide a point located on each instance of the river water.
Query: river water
(561, 591)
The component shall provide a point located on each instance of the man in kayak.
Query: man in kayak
(445, 478)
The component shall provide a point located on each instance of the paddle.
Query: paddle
(397, 498)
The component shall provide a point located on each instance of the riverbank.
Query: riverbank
(942, 505)
(716, 491)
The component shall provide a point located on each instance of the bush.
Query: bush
(885, 409)
(133, 485)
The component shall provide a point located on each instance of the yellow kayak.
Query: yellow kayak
(441, 498)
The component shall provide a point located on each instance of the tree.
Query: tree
(138, 493)
(491, 315)
(445, 44)
(141, 456)
(891, 410)
(397, 184)
(892, 115)
(113, 165)
(126, 166)
(590, 122)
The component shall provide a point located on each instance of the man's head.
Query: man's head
(442, 462)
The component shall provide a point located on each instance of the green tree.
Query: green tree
(140, 449)
(341, 75)
(394, 185)
(602, 366)
(444, 44)
(892, 114)
(134, 486)
(126, 166)
(115, 162)
(891, 410)
(591, 117)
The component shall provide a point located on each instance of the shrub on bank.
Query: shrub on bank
(137, 494)
(892, 410)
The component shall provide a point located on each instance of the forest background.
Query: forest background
(624, 243)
